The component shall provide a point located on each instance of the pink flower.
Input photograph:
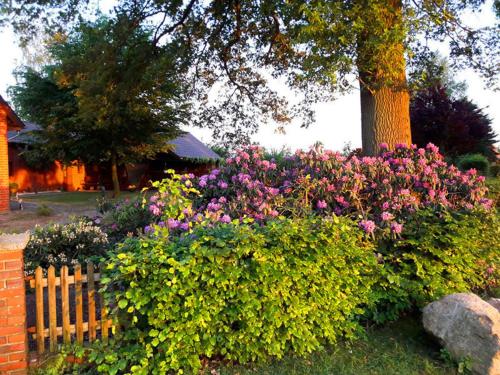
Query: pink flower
(321, 204)
(367, 225)
(396, 228)
(155, 210)
(386, 216)
(225, 219)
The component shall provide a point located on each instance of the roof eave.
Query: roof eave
(13, 121)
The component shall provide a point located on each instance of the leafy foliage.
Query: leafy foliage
(127, 217)
(234, 47)
(247, 292)
(476, 161)
(456, 125)
(441, 252)
(239, 291)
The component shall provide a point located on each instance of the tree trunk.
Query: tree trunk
(385, 118)
(114, 176)
(385, 100)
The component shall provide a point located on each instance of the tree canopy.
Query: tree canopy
(456, 125)
(233, 47)
(110, 95)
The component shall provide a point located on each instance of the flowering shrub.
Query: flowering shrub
(381, 193)
(124, 218)
(171, 205)
(64, 244)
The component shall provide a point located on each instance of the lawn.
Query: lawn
(62, 205)
(399, 348)
(83, 198)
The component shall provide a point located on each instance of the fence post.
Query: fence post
(13, 334)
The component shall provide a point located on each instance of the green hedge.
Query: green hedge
(440, 253)
(476, 161)
(244, 292)
(241, 292)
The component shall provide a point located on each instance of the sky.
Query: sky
(337, 123)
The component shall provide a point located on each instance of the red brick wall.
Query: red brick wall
(4, 162)
(13, 336)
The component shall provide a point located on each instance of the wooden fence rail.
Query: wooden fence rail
(67, 330)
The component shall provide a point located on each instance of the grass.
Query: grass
(73, 198)
(399, 348)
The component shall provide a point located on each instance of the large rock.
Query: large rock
(495, 302)
(469, 327)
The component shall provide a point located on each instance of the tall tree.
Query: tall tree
(456, 125)
(111, 95)
(316, 45)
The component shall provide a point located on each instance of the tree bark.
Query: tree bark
(114, 176)
(385, 100)
(385, 118)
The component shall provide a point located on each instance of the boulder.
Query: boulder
(495, 302)
(467, 327)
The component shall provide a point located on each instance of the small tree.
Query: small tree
(457, 126)
(110, 96)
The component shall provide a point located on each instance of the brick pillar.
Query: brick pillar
(13, 334)
(4, 162)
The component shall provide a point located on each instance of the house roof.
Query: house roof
(13, 121)
(185, 146)
(23, 135)
(189, 147)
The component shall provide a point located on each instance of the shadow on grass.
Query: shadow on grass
(399, 348)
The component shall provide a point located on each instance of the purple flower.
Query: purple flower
(321, 204)
(367, 225)
(222, 184)
(225, 219)
(203, 183)
(184, 226)
(172, 223)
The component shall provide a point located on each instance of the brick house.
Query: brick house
(54, 177)
(188, 156)
(9, 121)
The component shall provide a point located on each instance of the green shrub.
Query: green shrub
(476, 161)
(104, 205)
(245, 292)
(44, 210)
(64, 244)
(126, 217)
(239, 291)
(440, 252)
(495, 170)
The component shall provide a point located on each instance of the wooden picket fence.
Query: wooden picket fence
(68, 331)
